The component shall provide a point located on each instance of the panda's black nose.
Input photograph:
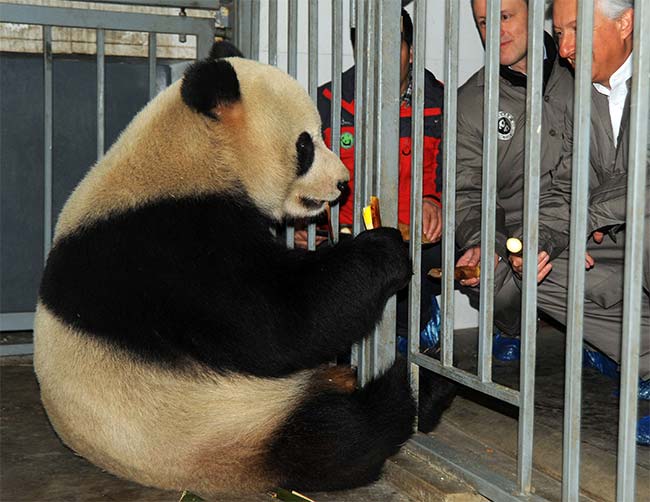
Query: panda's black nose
(342, 186)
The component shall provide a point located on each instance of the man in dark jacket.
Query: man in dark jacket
(558, 92)
(609, 143)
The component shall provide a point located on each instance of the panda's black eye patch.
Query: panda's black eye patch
(305, 151)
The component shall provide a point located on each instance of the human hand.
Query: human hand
(431, 220)
(300, 239)
(544, 264)
(598, 236)
(472, 258)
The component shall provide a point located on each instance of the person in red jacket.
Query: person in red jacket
(433, 104)
(432, 162)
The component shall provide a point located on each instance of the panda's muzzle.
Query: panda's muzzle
(312, 204)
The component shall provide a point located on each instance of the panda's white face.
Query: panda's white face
(321, 178)
(296, 172)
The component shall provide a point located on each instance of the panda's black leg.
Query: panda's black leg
(338, 440)
(435, 394)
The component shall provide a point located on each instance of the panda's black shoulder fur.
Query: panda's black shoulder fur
(204, 278)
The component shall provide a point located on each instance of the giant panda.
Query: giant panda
(178, 343)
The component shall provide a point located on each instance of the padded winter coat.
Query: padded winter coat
(607, 202)
(558, 95)
(432, 155)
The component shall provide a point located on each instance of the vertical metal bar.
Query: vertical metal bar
(152, 65)
(360, 131)
(243, 26)
(255, 30)
(452, 17)
(292, 69)
(488, 203)
(273, 32)
(387, 156)
(47, 140)
(417, 151)
(357, 16)
(578, 247)
(364, 130)
(337, 68)
(312, 85)
(100, 92)
(367, 187)
(633, 293)
(532, 157)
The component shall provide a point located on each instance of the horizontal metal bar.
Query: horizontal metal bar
(487, 483)
(17, 321)
(18, 349)
(101, 19)
(185, 4)
(463, 377)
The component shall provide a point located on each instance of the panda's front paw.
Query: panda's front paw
(385, 250)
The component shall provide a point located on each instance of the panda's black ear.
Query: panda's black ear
(224, 49)
(208, 84)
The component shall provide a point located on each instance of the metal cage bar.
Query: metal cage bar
(578, 247)
(101, 67)
(292, 69)
(153, 47)
(273, 32)
(337, 68)
(255, 30)
(47, 140)
(452, 20)
(417, 152)
(489, 183)
(357, 12)
(634, 239)
(531, 237)
(387, 85)
(312, 86)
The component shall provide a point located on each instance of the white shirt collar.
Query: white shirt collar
(620, 77)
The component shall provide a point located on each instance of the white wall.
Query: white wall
(471, 50)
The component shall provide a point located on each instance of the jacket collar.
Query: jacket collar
(519, 79)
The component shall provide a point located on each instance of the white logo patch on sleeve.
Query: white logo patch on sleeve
(506, 126)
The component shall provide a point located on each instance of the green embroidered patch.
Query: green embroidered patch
(347, 140)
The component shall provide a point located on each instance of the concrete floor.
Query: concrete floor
(35, 466)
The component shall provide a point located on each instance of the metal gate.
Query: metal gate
(100, 21)
(378, 39)
(376, 162)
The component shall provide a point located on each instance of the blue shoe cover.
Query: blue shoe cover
(599, 361)
(430, 335)
(643, 431)
(505, 348)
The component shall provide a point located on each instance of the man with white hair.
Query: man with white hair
(609, 144)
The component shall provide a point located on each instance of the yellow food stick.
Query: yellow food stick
(367, 217)
(514, 245)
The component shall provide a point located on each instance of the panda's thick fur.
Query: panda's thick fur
(178, 343)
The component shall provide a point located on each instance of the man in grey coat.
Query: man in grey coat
(609, 143)
(558, 92)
